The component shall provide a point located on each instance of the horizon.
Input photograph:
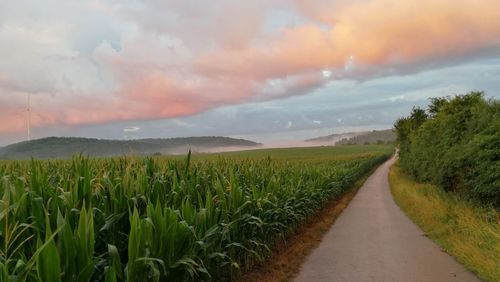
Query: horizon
(266, 71)
(263, 142)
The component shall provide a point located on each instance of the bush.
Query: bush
(455, 144)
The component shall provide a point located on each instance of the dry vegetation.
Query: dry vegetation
(469, 233)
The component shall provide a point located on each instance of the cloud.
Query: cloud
(269, 117)
(100, 62)
(326, 73)
(376, 36)
(131, 129)
(396, 98)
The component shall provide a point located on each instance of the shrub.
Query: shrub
(455, 144)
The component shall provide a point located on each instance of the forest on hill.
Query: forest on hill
(373, 137)
(64, 147)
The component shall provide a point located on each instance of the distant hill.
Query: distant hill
(64, 147)
(373, 137)
(362, 137)
(334, 138)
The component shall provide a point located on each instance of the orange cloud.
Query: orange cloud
(299, 50)
(386, 32)
(375, 32)
(185, 69)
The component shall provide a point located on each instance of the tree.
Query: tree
(454, 144)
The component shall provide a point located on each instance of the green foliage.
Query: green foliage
(158, 219)
(48, 261)
(456, 145)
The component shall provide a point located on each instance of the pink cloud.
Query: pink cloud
(376, 33)
(14, 116)
(171, 65)
(383, 31)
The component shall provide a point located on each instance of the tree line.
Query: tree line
(454, 143)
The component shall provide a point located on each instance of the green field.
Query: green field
(200, 217)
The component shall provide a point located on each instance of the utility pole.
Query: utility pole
(28, 109)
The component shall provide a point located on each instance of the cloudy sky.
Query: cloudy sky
(260, 69)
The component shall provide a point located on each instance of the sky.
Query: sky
(264, 70)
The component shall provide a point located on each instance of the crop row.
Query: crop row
(157, 219)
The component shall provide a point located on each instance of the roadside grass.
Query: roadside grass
(469, 233)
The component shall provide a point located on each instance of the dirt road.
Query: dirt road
(373, 240)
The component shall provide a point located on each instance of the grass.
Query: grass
(469, 233)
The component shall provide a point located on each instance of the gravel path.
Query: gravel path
(372, 240)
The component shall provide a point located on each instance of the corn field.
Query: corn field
(162, 219)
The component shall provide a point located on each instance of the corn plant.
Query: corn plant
(128, 219)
